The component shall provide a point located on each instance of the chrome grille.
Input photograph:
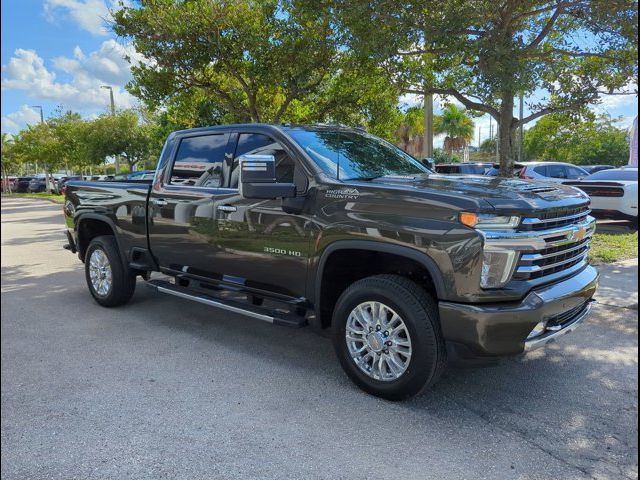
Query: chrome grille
(552, 260)
(560, 252)
(558, 217)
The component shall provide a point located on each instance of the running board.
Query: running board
(270, 316)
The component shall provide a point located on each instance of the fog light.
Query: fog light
(538, 330)
(497, 268)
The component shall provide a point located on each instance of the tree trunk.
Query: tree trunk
(506, 136)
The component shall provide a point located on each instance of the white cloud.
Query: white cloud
(89, 15)
(18, 120)
(26, 71)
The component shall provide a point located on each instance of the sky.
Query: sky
(58, 53)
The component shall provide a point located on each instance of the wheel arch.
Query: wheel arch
(91, 225)
(322, 303)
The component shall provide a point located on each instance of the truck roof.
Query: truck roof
(272, 126)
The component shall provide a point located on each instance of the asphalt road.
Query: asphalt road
(164, 388)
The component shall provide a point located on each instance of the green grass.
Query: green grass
(43, 196)
(608, 248)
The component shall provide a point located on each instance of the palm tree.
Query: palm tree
(456, 125)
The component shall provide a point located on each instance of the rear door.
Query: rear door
(181, 202)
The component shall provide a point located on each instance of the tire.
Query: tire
(419, 314)
(103, 252)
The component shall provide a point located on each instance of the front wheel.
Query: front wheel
(386, 333)
(110, 283)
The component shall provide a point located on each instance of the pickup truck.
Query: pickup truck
(334, 228)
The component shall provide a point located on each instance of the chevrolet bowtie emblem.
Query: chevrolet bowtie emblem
(580, 234)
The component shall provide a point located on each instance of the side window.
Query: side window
(557, 171)
(256, 143)
(199, 161)
(541, 170)
(575, 173)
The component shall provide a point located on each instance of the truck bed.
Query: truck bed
(124, 204)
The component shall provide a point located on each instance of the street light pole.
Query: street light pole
(113, 103)
(113, 113)
(41, 121)
(41, 112)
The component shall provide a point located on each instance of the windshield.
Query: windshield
(357, 155)
(629, 175)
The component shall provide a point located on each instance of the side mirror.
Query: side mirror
(258, 178)
(430, 163)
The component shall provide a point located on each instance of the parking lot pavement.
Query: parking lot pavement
(163, 388)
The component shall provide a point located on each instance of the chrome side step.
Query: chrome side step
(265, 315)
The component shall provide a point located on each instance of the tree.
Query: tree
(583, 141)
(456, 125)
(251, 58)
(9, 161)
(39, 144)
(122, 134)
(485, 53)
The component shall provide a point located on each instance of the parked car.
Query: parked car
(101, 178)
(596, 168)
(37, 184)
(556, 172)
(22, 185)
(62, 183)
(464, 168)
(613, 193)
(9, 184)
(142, 175)
(334, 228)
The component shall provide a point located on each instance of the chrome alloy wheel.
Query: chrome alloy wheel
(378, 341)
(100, 272)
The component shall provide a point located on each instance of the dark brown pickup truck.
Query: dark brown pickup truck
(336, 229)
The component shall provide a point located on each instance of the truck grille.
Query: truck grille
(561, 251)
(551, 260)
(555, 218)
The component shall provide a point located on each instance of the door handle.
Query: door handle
(227, 208)
(159, 202)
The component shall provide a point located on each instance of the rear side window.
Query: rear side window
(199, 161)
(575, 173)
(541, 170)
(556, 171)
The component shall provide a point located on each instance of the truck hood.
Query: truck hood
(504, 194)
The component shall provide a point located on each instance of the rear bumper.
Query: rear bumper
(503, 328)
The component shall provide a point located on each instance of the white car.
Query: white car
(556, 172)
(613, 193)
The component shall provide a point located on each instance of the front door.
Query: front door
(259, 245)
(182, 222)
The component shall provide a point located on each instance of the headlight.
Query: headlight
(497, 268)
(483, 221)
(498, 264)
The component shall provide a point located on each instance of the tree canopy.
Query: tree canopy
(565, 138)
(214, 61)
(486, 53)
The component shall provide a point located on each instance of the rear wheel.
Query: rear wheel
(110, 283)
(386, 333)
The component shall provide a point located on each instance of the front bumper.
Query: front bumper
(503, 328)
